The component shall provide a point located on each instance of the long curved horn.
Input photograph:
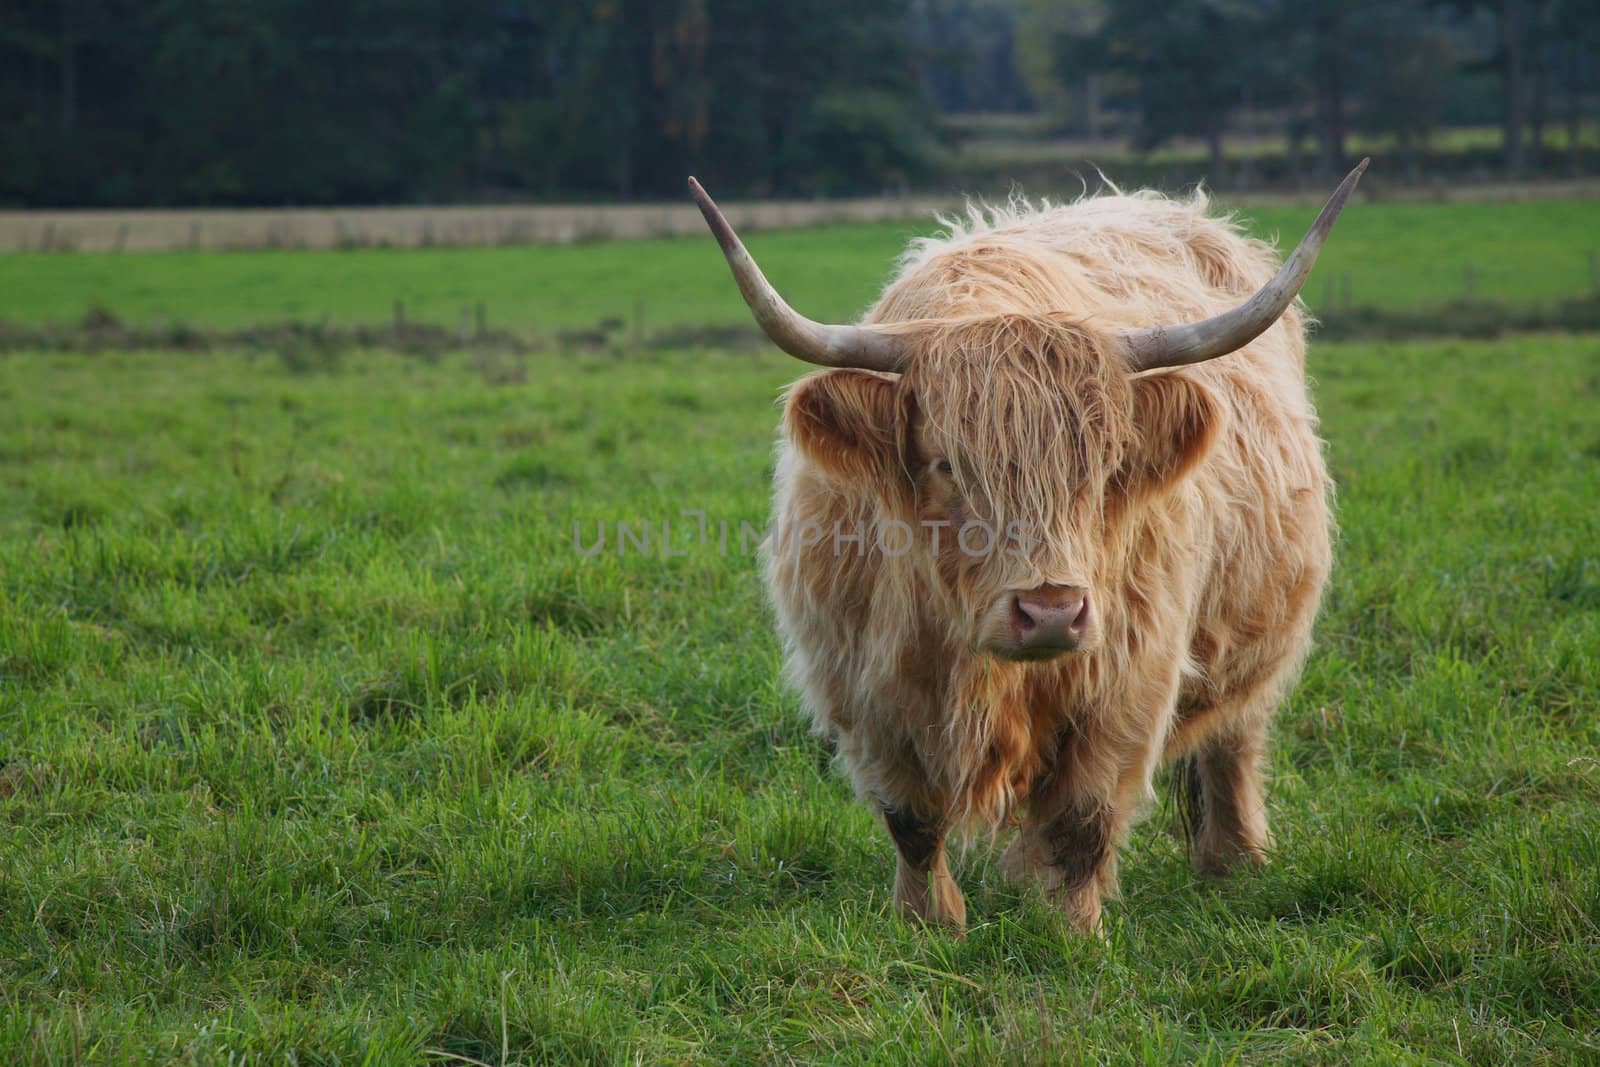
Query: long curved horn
(814, 342)
(1195, 342)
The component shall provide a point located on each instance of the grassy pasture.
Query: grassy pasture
(317, 734)
(1394, 255)
(1028, 151)
(995, 132)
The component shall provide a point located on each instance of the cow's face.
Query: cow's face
(1015, 453)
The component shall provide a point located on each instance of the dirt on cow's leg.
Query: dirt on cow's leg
(1228, 816)
(924, 889)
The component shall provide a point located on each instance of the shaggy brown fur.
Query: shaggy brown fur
(1192, 504)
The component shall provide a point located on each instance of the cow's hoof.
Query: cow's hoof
(950, 918)
(1215, 860)
(1083, 912)
(934, 902)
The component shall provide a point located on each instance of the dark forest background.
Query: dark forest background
(218, 102)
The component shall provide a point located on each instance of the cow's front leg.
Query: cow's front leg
(1072, 853)
(923, 886)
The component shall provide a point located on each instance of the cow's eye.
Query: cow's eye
(944, 466)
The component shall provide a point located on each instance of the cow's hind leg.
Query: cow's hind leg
(923, 886)
(1219, 786)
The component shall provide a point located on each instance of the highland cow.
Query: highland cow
(1112, 393)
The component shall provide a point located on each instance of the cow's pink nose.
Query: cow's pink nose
(1051, 616)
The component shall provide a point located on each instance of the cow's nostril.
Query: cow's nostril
(1026, 623)
(1080, 619)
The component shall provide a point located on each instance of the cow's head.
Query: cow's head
(1007, 447)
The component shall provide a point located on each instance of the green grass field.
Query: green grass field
(1394, 255)
(1008, 148)
(320, 742)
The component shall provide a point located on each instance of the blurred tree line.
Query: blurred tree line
(115, 102)
(1311, 72)
(306, 101)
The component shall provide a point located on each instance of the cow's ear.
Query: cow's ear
(1178, 420)
(845, 421)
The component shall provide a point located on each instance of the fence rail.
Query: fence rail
(416, 227)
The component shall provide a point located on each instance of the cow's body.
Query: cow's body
(1206, 574)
